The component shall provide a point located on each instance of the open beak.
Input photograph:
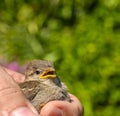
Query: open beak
(48, 73)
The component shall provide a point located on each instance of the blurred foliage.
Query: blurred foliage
(82, 38)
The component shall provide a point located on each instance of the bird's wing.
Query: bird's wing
(30, 88)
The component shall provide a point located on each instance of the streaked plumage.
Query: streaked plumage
(42, 84)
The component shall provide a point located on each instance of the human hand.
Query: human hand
(63, 108)
(12, 100)
(53, 108)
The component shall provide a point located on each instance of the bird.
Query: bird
(42, 84)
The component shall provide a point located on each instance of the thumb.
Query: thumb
(12, 100)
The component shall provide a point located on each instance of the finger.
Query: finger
(12, 101)
(18, 77)
(63, 108)
(78, 105)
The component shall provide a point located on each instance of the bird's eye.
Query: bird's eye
(37, 72)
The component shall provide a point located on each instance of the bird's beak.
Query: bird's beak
(48, 73)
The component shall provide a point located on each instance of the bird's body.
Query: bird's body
(42, 84)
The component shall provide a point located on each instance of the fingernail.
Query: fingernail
(58, 112)
(55, 112)
(24, 111)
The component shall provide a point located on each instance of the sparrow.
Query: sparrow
(42, 84)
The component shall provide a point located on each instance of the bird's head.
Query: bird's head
(40, 69)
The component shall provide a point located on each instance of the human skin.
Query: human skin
(14, 103)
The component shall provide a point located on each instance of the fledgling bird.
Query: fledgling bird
(42, 84)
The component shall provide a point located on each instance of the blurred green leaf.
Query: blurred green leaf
(82, 38)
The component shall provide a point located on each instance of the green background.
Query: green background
(82, 38)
